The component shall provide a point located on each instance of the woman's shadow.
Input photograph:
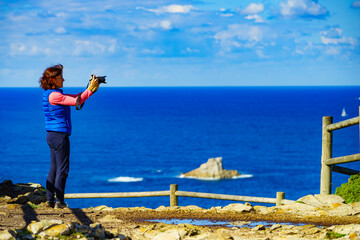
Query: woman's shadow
(29, 214)
(81, 216)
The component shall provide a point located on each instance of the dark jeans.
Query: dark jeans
(59, 167)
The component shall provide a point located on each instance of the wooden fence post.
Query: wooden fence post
(326, 171)
(173, 197)
(279, 197)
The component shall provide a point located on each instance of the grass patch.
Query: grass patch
(334, 235)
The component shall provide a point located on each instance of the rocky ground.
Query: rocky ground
(24, 215)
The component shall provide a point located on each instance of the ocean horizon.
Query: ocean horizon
(132, 139)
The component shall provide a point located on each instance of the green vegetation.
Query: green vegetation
(75, 235)
(350, 191)
(32, 205)
(334, 235)
(23, 232)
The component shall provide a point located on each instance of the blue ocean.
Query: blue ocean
(141, 139)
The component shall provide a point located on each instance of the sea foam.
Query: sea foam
(217, 179)
(125, 179)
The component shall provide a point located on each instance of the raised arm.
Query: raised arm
(57, 98)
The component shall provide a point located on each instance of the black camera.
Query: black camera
(102, 79)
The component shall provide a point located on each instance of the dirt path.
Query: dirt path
(19, 216)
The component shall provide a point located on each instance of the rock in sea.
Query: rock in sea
(212, 169)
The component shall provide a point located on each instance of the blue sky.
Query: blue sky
(182, 43)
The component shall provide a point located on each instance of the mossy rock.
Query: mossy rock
(350, 191)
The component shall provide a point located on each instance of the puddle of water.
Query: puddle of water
(206, 222)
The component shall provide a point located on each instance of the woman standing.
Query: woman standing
(58, 125)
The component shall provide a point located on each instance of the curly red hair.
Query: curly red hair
(48, 78)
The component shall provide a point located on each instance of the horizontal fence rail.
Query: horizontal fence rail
(343, 124)
(174, 194)
(344, 170)
(118, 194)
(230, 197)
(345, 159)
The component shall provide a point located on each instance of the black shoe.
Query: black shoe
(50, 204)
(61, 205)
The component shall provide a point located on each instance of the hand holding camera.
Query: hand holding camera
(95, 82)
(93, 86)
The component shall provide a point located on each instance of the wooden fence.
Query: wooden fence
(327, 161)
(174, 194)
(327, 166)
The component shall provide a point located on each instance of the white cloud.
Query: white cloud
(18, 18)
(336, 41)
(22, 49)
(35, 50)
(299, 52)
(240, 31)
(155, 51)
(166, 24)
(149, 26)
(16, 49)
(252, 11)
(333, 43)
(257, 18)
(173, 8)
(190, 50)
(239, 36)
(332, 33)
(83, 47)
(260, 53)
(333, 50)
(333, 36)
(61, 14)
(94, 47)
(225, 13)
(302, 8)
(60, 30)
(253, 8)
(112, 47)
